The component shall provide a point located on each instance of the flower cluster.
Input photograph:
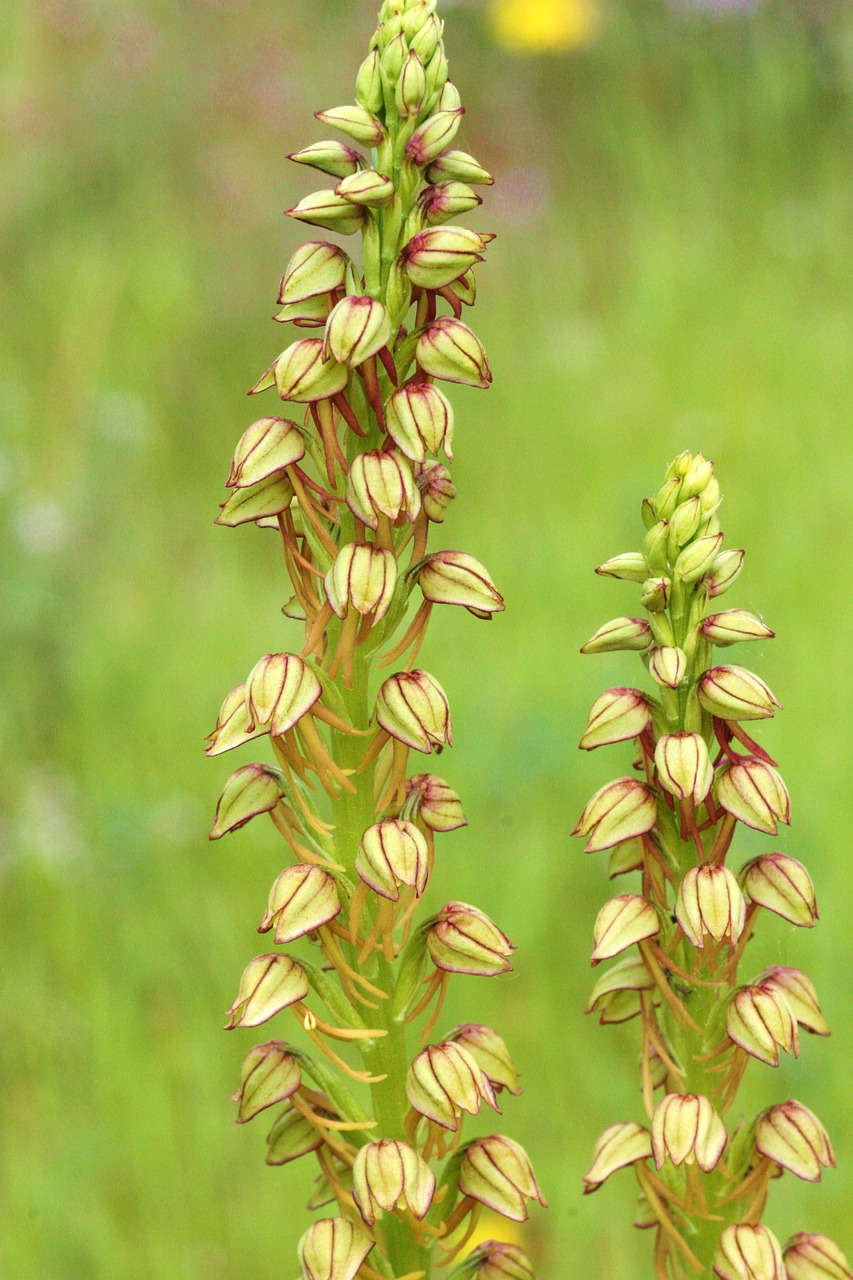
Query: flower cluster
(352, 487)
(678, 943)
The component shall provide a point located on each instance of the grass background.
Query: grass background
(673, 270)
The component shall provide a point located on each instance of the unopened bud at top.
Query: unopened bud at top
(315, 268)
(710, 903)
(329, 210)
(497, 1260)
(368, 84)
(391, 1175)
(439, 255)
(334, 158)
(410, 94)
(413, 708)
(355, 121)
(814, 1257)
(437, 490)
(686, 1127)
(367, 189)
(462, 939)
(748, 1251)
(305, 372)
(631, 566)
(334, 1249)
(698, 557)
(724, 572)
(445, 200)
(497, 1172)
(668, 666)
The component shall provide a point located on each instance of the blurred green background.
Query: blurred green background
(673, 269)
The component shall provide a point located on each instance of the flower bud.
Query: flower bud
(334, 158)
(413, 708)
(724, 572)
(748, 1252)
(315, 268)
(698, 557)
(795, 1139)
(655, 546)
(618, 811)
(443, 1081)
(448, 349)
(668, 666)
(356, 122)
(328, 210)
(256, 502)
(655, 596)
(367, 189)
(626, 857)
(458, 166)
(462, 939)
(269, 984)
(268, 447)
(394, 56)
(490, 1053)
(497, 1172)
(620, 634)
(293, 1135)
(368, 84)
(356, 329)
(781, 884)
(302, 899)
(304, 372)
(709, 901)
(253, 789)
(732, 626)
(390, 854)
(419, 419)
(450, 98)
(684, 766)
(439, 255)
(754, 793)
(623, 921)
(813, 1257)
(269, 1074)
(619, 1146)
(280, 690)
(391, 1175)
(422, 31)
(432, 801)
(497, 1260)
(616, 716)
(334, 1249)
(686, 1127)
(454, 577)
(363, 576)
(684, 520)
(629, 567)
(733, 693)
(230, 730)
(411, 90)
(381, 483)
(800, 995)
(760, 1021)
(446, 200)
(437, 490)
(310, 314)
(427, 142)
(664, 503)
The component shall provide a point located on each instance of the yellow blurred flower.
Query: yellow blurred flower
(493, 1227)
(544, 26)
